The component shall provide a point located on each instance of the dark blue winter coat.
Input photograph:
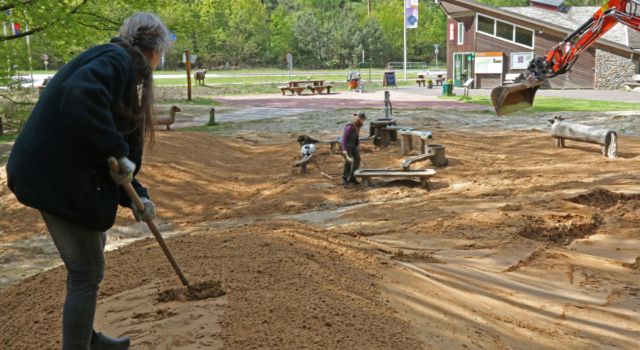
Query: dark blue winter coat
(59, 161)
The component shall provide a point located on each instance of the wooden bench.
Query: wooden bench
(406, 139)
(421, 82)
(634, 83)
(320, 88)
(167, 120)
(440, 79)
(423, 175)
(294, 89)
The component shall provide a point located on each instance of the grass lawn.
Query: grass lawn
(8, 138)
(275, 79)
(164, 92)
(258, 71)
(558, 104)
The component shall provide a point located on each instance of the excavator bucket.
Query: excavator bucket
(514, 97)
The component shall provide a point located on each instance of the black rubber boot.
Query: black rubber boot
(100, 341)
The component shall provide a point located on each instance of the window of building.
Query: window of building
(486, 25)
(505, 31)
(460, 33)
(524, 37)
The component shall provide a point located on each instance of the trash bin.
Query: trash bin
(447, 89)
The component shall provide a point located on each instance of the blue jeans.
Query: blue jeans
(82, 251)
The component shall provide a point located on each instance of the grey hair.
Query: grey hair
(146, 31)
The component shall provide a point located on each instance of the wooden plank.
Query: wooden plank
(394, 173)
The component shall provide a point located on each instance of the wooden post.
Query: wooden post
(188, 63)
(212, 116)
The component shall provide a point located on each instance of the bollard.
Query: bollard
(212, 116)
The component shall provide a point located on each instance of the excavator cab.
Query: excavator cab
(517, 96)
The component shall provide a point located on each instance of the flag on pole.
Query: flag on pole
(411, 13)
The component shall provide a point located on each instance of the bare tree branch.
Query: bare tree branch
(36, 29)
(21, 34)
(106, 29)
(14, 5)
(104, 19)
(14, 101)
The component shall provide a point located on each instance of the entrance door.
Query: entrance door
(462, 67)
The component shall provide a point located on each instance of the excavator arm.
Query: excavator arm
(560, 59)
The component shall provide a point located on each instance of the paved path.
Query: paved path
(246, 114)
(400, 98)
(604, 95)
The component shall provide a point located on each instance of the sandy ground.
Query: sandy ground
(519, 245)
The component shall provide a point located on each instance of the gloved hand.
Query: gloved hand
(145, 214)
(125, 173)
(345, 154)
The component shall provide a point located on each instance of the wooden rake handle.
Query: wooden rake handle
(135, 199)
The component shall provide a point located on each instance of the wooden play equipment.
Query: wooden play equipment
(383, 132)
(167, 120)
(302, 163)
(423, 175)
(435, 153)
(606, 138)
(407, 136)
(334, 145)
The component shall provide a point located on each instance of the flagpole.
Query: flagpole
(6, 44)
(29, 53)
(404, 22)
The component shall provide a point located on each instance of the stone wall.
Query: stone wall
(612, 71)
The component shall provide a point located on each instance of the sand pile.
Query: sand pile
(288, 286)
(513, 249)
(195, 291)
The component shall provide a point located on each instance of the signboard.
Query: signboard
(389, 79)
(192, 58)
(520, 60)
(489, 62)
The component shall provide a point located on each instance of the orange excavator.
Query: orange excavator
(559, 60)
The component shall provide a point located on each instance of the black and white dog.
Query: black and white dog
(307, 145)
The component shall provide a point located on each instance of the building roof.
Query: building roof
(555, 3)
(571, 20)
(545, 21)
(634, 38)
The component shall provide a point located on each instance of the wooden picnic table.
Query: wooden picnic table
(297, 83)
